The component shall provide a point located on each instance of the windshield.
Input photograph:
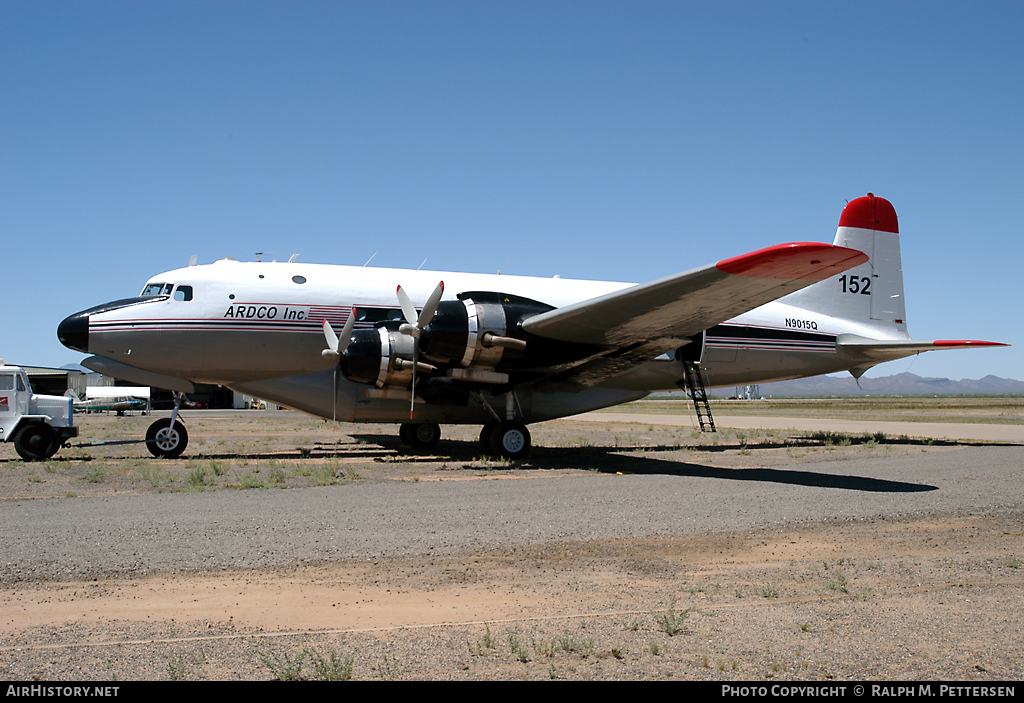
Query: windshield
(152, 289)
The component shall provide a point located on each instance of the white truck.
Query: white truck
(37, 424)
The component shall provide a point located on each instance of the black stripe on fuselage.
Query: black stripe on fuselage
(769, 338)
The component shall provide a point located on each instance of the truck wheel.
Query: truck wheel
(36, 442)
(164, 441)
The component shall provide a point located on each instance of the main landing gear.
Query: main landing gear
(507, 437)
(420, 435)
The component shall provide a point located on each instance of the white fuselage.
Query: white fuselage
(257, 328)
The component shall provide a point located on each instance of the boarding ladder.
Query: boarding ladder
(693, 384)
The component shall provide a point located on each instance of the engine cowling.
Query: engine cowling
(454, 335)
(478, 330)
(380, 356)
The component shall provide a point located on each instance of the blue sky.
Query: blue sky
(603, 140)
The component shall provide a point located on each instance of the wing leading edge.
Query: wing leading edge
(684, 304)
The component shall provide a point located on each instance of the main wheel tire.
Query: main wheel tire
(423, 436)
(36, 442)
(510, 439)
(404, 433)
(485, 436)
(164, 441)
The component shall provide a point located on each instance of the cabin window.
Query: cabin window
(6, 383)
(378, 314)
(183, 293)
(299, 279)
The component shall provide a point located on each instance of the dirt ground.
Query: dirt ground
(927, 598)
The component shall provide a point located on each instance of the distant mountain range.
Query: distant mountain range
(902, 384)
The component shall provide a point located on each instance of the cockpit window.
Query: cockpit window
(183, 293)
(152, 289)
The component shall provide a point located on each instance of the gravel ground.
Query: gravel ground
(616, 552)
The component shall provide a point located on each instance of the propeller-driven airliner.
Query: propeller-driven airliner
(424, 349)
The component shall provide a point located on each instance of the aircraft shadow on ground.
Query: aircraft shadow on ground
(647, 461)
(650, 460)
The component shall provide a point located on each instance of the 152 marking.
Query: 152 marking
(856, 284)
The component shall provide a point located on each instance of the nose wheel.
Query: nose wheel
(166, 441)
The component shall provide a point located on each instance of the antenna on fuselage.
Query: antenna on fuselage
(369, 260)
(259, 256)
(293, 258)
(421, 265)
(192, 260)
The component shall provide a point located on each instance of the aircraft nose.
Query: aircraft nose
(73, 332)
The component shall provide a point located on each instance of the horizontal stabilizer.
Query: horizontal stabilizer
(888, 350)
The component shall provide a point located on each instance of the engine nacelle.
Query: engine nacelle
(380, 356)
(455, 334)
(476, 330)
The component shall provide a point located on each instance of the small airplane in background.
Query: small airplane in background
(506, 351)
(119, 404)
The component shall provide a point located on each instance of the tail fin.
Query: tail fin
(871, 293)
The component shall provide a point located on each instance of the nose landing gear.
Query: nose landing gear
(167, 437)
(166, 441)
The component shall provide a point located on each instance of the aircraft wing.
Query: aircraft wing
(687, 303)
(639, 323)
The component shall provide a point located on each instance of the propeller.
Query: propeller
(336, 347)
(414, 325)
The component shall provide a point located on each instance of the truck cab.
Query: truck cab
(37, 424)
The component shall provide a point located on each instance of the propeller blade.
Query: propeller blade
(346, 331)
(415, 325)
(412, 388)
(332, 339)
(408, 309)
(336, 349)
(337, 382)
(430, 307)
